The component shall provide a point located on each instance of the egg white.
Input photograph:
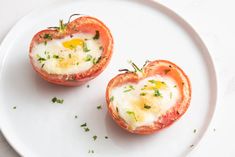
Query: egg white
(55, 48)
(128, 101)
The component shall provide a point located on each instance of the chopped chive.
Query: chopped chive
(97, 35)
(129, 88)
(56, 56)
(117, 109)
(56, 100)
(41, 59)
(14, 107)
(70, 56)
(47, 36)
(91, 151)
(170, 95)
(101, 47)
(85, 48)
(95, 61)
(86, 129)
(42, 65)
(83, 125)
(77, 63)
(167, 71)
(152, 81)
(48, 56)
(175, 86)
(88, 58)
(111, 99)
(132, 114)
(157, 93)
(94, 137)
(147, 106)
(99, 107)
(45, 42)
(194, 131)
(142, 94)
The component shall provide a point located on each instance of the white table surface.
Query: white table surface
(215, 22)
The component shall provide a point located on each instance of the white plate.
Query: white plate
(142, 30)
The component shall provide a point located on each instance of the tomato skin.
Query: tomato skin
(158, 67)
(84, 24)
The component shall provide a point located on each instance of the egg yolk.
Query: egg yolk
(155, 85)
(73, 43)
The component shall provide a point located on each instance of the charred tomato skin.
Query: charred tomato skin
(84, 24)
(158, 67)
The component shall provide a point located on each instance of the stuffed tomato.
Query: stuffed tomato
(72, 53)
(149, 99)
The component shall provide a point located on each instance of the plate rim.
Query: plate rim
(163, 9)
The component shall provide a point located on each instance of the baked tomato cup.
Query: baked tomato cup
(149, 99)
(72, 53)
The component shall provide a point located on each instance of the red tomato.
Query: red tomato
(83, 24)
(158, 67)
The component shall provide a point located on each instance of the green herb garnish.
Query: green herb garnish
(101, 47)
(70, 56)
(86, 129)
(170, 95)
(56, 56)
(88, 58)
(95, 61)
(42, 65)
(147, 106)
(94, 137)
(131, 113)
(142, 94)
(175, 86)
(40, 59)
(85, 49)
(91, 151)
(128, 88)
(117, 109)
(111, 99)
(83, 125)
(157, 93)
(97, 35)
(152, 81)
(47, 36)
(99, 107)
(14, 107)
(194, 131)
(56, 100)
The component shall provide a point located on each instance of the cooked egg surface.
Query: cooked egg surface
(141, 104)
(72, 54)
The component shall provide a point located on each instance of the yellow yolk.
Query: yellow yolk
(73, 43)
(152, 84)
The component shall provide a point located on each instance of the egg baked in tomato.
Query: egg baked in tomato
(73, 53)
(148, 99)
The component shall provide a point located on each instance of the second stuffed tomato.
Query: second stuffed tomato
(73, 53)
(148, 99)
